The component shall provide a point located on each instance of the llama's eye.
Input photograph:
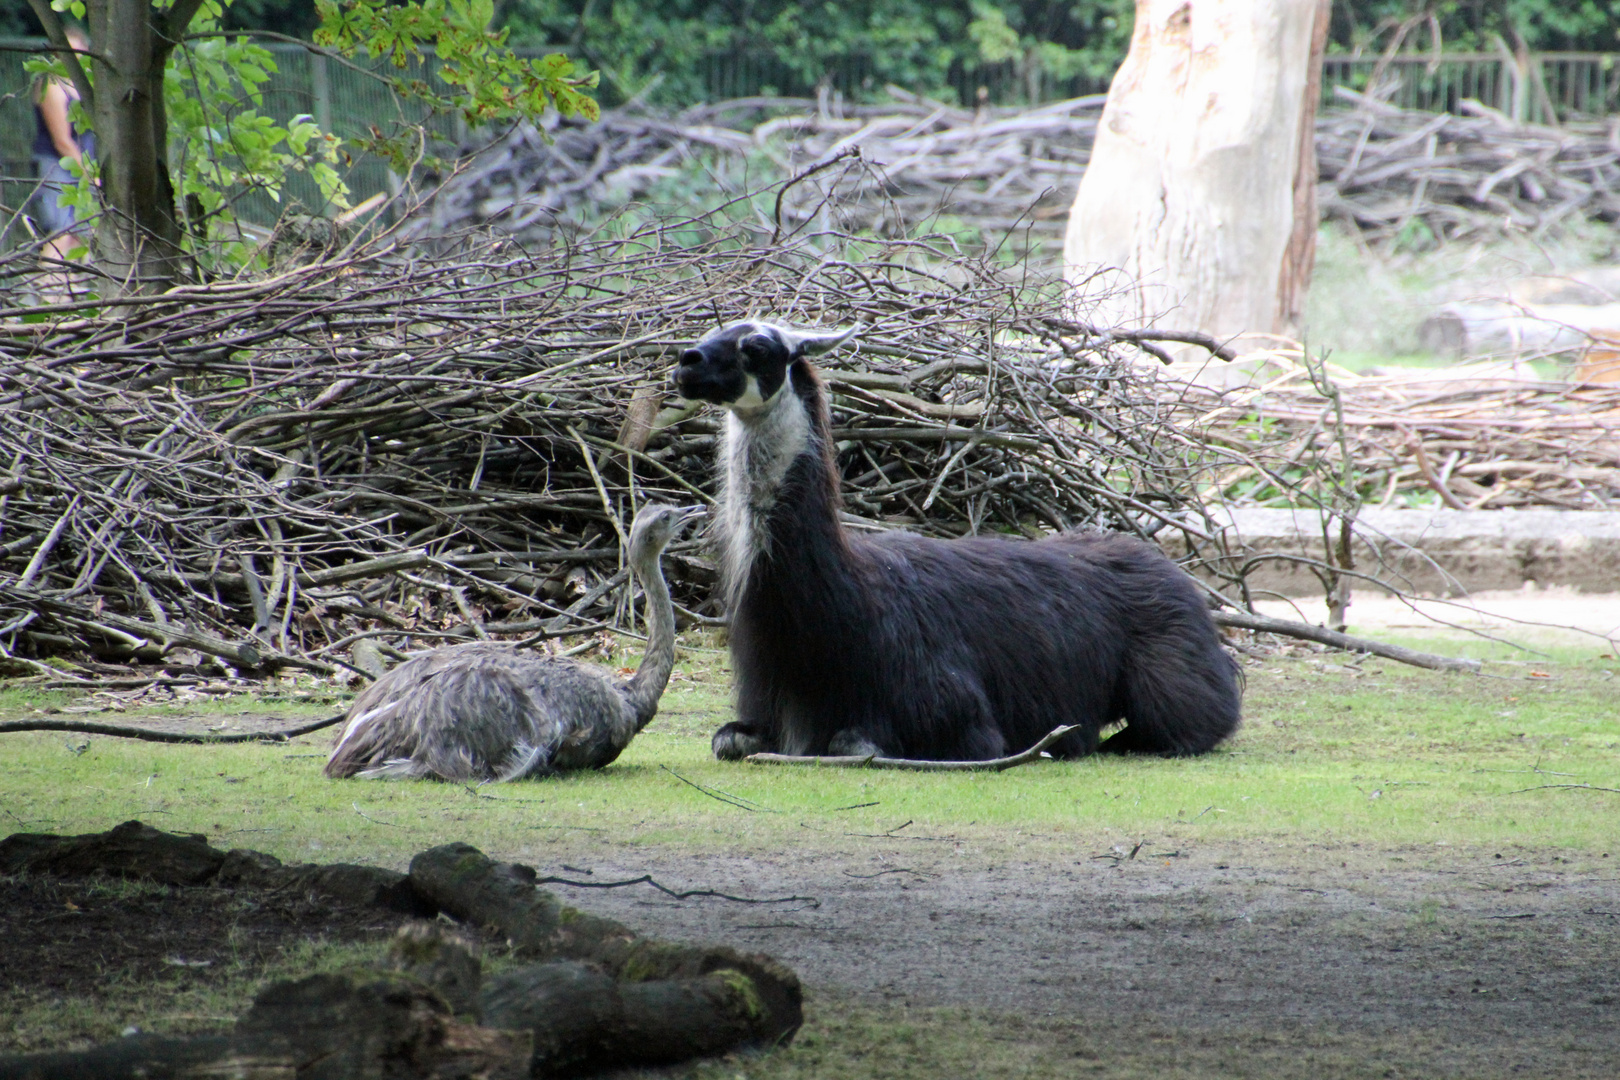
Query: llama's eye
(755, 346)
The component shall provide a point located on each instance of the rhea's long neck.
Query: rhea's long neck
(646, 686)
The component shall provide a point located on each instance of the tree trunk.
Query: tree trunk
(137, 240)
(1201, 186)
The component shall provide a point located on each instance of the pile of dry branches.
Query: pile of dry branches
(1477, 442)
(992, 170)
(999, 170)
(1384, 167)
(409, 448)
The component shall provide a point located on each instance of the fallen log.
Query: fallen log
(463, 882)
(122, 731)
(585, 1021)
(1323, 636)
(603, 997)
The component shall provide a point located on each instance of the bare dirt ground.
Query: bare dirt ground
(88, 939)
(1427, 962)
(1247, 960)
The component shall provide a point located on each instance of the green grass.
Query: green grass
(170, 1005)
(846, 1039)
(1396, 764)
(1330, 753)
(1365, 306)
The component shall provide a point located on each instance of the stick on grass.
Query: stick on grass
(860, 761)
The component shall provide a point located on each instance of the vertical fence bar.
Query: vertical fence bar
(321, 91)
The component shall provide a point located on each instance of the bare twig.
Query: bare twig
(856, 761)
(1264, 624)
(148, 735)
(678, 894)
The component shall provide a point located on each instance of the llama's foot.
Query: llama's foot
(737, 740)
(851, 743)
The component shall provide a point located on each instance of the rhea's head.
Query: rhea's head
(656, 524)
(744, 367)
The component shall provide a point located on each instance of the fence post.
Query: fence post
(321, 91)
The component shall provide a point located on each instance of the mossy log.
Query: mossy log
(602, 996)
(465, 883)
(583, 1021)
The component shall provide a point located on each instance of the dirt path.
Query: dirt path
(1455, 964)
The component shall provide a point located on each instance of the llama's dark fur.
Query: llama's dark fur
(914, 647)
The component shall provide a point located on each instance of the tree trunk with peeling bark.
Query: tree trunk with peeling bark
(1201, 185)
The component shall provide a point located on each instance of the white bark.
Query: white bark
(1191, 190)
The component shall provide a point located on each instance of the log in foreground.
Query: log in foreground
(599, 997)
(858, 761)
(126, 731)
(463, 882)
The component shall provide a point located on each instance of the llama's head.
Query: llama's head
(744, 367)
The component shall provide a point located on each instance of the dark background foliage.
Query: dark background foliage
(667, 50)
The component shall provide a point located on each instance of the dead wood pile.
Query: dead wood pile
(410, 449)
(595, 995)
(1385, 168)
(1462, 438)
(991, 170)
(997, 171)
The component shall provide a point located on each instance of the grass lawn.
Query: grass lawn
(1334, 752)
(1381, 764)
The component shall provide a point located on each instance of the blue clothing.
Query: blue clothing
(43, 143)
(47, 209)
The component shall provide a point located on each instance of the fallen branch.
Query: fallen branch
(1322, 635)
(857, 761)
(677, 894)
(121, 732)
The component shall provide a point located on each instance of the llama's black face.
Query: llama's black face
(744, 366)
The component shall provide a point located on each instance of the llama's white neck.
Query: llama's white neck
(760, 445)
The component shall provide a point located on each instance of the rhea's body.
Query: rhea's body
(487, 711)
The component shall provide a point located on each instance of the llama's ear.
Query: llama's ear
(810, 343)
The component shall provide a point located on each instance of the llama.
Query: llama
(905, 646)
(489, 711)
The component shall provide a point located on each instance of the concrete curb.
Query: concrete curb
(1443, 552)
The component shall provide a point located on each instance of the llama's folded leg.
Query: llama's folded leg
(1129, 740)
(852, 743)
(737, 740)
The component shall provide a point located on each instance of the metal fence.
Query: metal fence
(1541, 88)
(1545, 87)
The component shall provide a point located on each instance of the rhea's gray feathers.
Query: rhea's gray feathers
(489, 711)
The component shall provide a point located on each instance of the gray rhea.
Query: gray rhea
(488, 711)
